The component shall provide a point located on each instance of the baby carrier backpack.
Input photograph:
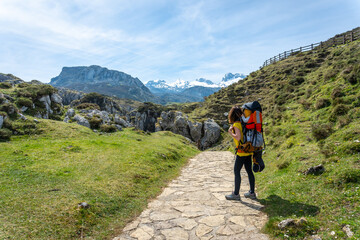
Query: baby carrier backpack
(253, 134)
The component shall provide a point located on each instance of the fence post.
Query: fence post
(352, 36)
(279, 57)
(285, 54)
(312, 46)
(300, 49)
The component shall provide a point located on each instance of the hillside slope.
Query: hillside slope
(311, 115)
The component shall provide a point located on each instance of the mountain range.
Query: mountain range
(119, 84)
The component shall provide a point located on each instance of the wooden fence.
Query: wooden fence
(339, 39)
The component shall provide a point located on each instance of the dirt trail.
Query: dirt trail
(193, 206)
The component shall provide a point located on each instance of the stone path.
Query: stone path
(194, 206)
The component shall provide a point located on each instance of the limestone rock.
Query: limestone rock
(211, 134)
(181, 126)
(81, 120)
(70, 113)
(68, 95)
(120, 121)
(2, 118)
(119, 128)
(47, 102)
(195, 130)
(66, 119)
(348, 231)
(167, 120)
(56, 98)
(286, 223)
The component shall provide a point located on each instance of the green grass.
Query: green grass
(44, 177)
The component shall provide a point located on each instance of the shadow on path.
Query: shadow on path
(275, 206)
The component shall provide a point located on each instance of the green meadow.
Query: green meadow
(44, 177)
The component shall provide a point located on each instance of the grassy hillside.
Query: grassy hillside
(44, 177)
(311, 113)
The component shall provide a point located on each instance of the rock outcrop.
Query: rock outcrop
(211, 134)
(81, 120)
(69, 95)
(204, 134)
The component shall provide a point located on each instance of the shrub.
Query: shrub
(354, 76)
(5, 134)
(9, 108)
(330, 74)
(321, 131)
(21, 101)
(349, 176)
(23, 85)
(297, 81)
(108, 128)
(88, 106)
(311, 64)
(95, 123)
(306, 105)
(24, 127)
(35, 91)
(283, 165)
(322, 103)
(340, 109)
(5, 85)
(337, 92)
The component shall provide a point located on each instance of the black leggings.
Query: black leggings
(239, 162)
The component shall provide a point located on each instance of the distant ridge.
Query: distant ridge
(102, 80)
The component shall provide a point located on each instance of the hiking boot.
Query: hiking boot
(250, 195)
(232, 196)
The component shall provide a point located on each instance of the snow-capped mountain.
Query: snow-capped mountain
(180, 85)
(183, 91)
(230, 78)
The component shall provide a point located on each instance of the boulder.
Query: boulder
(56, 98)
(167, 120)
(211, 134)
(68, 95)
(103, 115)
(23, 109)
(47, 102)
(286, 223)
(2, 118)
(316, 170)
(195, 131)
(70, 113)
(81, 120)
(67, 119)
(181, 126)
(119, 128)
(120, 121)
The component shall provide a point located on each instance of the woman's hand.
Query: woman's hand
(231, 129)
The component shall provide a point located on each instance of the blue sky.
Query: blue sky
(162, 39)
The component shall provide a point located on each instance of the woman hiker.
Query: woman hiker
(242, 158)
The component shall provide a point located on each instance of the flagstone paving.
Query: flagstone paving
(194, 206)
